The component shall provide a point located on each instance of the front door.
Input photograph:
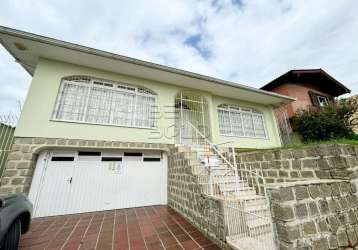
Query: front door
(192, 119)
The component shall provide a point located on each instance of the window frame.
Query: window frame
(240, 110)
(124, 89)
(324, 98)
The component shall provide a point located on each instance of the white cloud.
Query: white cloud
(247, 41)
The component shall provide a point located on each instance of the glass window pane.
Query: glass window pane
(259, 126)
(224, 122)
(145, 111)
(99, 105)
(123, 108)
(248, 124)
(236, 124)
(72, 102)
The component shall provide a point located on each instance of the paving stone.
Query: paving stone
(285, 194)
(322, 225)
(333, 223)
(333, 205)
(352, 237)
(342, 238)
(301, 192)
(313, 209)
(301, 210)
(288, 233)
(323, 207)
(320, 244)
(309, 228)
(315, 191)
(326, 190)
(323, 164)
(282, 212)
(332, 242)
(296, 164)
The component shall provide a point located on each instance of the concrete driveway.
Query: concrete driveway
(155, 227)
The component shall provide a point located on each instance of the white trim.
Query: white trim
(103, 124)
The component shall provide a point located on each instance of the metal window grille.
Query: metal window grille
(90, 100)
(241, 122)
(193, 108)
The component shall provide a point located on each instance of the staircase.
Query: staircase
(247, 211)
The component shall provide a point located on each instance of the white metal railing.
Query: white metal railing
(212, 146)
(247, 213)
(7, 128)
(253, 177)
(232, 180)
(249, 228)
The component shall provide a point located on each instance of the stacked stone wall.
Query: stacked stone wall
(317, 215)
(186, 196)
(331, 161)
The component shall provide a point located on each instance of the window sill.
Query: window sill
(248, 137)
(101, 124)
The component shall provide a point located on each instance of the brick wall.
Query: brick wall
(317, 215)
(186, 196)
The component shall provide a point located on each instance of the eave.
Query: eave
(36, 46)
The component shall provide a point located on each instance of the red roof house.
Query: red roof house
(310, 87)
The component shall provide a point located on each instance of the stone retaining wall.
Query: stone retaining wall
(21, 161)
(331, 161)
(317, 215)
(185, 195)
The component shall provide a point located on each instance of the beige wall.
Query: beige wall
(36, 119)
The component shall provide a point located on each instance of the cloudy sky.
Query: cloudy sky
(246, 41)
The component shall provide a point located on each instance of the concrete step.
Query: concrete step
(201, 149)
(258, 221)
(257, 209)
(243, 193)
(252, 200)
(225, 187)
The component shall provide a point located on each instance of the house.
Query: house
(310, 87)
(354, 118)
(101, 131)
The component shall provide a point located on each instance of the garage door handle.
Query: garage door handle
(70, 180)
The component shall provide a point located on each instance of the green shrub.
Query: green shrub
(325, 123)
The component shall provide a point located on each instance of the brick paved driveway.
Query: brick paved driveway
(155, 227)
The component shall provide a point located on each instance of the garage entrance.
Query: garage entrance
(85, 181)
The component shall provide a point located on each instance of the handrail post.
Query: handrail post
(211, 188)
(236, 171)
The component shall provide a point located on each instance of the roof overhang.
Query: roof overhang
(318, 77)
(27, 48)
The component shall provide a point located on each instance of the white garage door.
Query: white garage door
(85, 181)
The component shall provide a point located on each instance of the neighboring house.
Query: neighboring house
(101, 131)
(310, 87)
(354, 118)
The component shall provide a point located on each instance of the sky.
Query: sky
(250, 42)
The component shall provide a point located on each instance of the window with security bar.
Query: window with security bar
(241, 122)
(90, 100)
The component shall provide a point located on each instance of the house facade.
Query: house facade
(310, 87)
(97, 130)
